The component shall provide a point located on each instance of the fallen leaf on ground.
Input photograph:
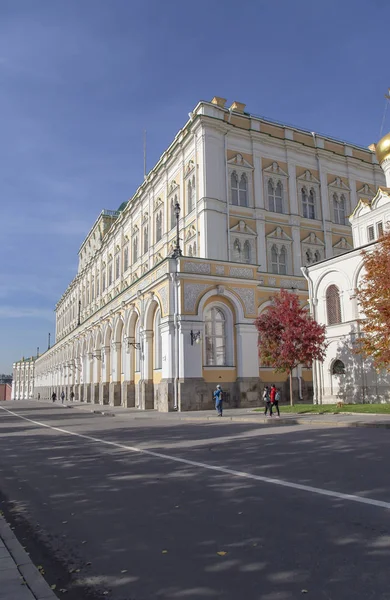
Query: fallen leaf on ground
(84, 542)
(304, 591)
(64, 522)
(164, 552)
(53, 587)
(124, 571)
(221, 553)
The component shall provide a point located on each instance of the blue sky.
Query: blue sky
(81, 79)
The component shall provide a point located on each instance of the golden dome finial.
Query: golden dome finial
(382, 148)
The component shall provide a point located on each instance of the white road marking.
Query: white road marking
(193, 463)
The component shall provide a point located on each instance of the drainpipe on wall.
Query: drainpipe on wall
(175, 283)
(227, 190)
(319, 172)
(316, 376)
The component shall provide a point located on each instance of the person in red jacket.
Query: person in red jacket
(272, 395)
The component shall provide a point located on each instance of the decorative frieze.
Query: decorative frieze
(192, 291)
(163, 294)
(292, 283)
(244, 272)
(247, 295)
(220, 270)
(197, 267)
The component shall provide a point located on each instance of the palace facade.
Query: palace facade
(23, 379)
(344, 375)
(250, 202)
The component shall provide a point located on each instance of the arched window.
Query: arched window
(158, 226)
(97, 285)
(338, 367)
(279, 260)
(137, 348)
(247, 252)
(309, 257)
(215, 337)
(339, 208)
(117, 267)
(243, 191)
(146, 239)
(157, 340)
(194, 249)
(308, 203)
(190, 250)
(126, 258)
(234, 188)
(104, 280)
(173, 216)
(110, 274)
(317, 256)
(237, 250)
(333, 306)
(190, 194)
(275, 196)
(135, 249)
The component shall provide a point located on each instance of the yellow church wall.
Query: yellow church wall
(269, 376)
(219, 375)
(137, 378)
(307, 375)
(157, 376)
(303, 138)
(272, 130)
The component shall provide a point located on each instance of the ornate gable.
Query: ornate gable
(308, 177)
(239, 161)
(343, 245)
(190, 167)
(279, 234)
(339, 184)
(313, 240)
(243, 228)
(274, 169)
(157, 203)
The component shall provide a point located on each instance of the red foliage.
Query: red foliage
(374, 300)
(288, 335)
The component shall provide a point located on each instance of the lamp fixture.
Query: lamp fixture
(195, 337)
(135, 345)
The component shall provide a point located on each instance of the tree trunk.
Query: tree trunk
(291, 390)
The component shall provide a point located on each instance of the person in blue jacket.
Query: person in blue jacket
(218, 400)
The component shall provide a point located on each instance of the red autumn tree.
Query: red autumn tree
(289, 336)
(374, 300)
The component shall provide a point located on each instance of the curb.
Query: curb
(252, 419)
(28, 571)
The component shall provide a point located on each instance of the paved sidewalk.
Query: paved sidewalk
(238, 415)
(19, 578)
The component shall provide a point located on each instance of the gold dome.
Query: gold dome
(382, 148)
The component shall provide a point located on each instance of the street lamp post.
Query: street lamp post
(177, 250)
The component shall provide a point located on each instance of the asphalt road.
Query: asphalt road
(108, 522)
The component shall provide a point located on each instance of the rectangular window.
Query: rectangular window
(379, 229)
(117, 267)
(371, 233)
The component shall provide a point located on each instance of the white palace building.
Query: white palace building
(148, 324)
(344, 375)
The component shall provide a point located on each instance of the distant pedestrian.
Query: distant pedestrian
(267, 401)
(62, 396)
(54, 396)
(218, 400)
(278, 397)
(39, 396)
(72, 395)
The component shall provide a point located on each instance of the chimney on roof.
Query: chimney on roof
(219, 101)
(238, 107)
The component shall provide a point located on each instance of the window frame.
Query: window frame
(229, 349)
(335, 317)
